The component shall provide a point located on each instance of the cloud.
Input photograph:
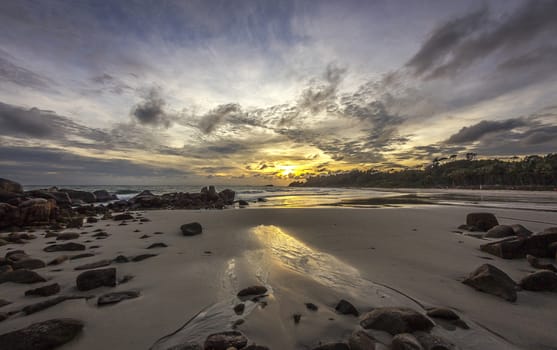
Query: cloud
(151, 111)
(317, 98)
(12, 73)
(475, 132)
(217, 116)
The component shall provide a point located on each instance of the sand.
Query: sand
(371, 257)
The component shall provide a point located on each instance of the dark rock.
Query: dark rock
(5, 268)
(10, 186)
(116, 297)
(395, 320)
(144, 236)
(157, 245)
(344, 307)
(442, 313)
(44, 291)
(225, 340)
(45, 335)
(239, 309)
(256, 347)
(360, 340)
(67, 236)
(100, 234)
(405, 341)
(142, 257)
(500, 231)
(144, 220)
(520, 230)
(297, 318)
(37, 211)
(433, 342)
(9, 215)
(3, 316)
(4, 302)
(252, 291)
(70, 246)
(158, 233)
(489, 279)
(29, 264)
(227, 196)
(122, 217)
(483, 221)
(15, 256)
(242, 202)
(96, 278)
(512, 248)
(333, 346)
(550, 230)
(77, 196)
(58, 260)
(125, 279)
(21, 276)
(93, 265)
(311, 306)
(538, 281)
(81, 256)
(535, 263)
(91, 220)
(33, 308)
(191, 229)
(103, 196)
(121, 259)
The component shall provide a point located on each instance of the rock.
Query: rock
(93, 265)
(433, 342)
(500, 231)
(239, 309)
(33, 308)
(4, 302)
(96, 278)
(539, 281)
(212, 194)
(483, 221)
(58, 260)
(144, 237)
(121, 259)
(252, 291)
(360, 340)
(520, 230)
(81, 256)
(45, 335)
(243, 203)
(395, 320)
(50, 234)
(44, 291)
(9, 215)
(535, 263)
(311, 307)
(333, 346)
(142, 257)
(116, 297)
(550, 230)
(103, 196)
(144, 220)
(21, 276)
(15, 256)
(344, 307)
(157, 245)
(256, 347)
(125, 279)
(191, 229)
(122, 217)
(3, 316)
(100, 234)
(5, 268)
(227, 196)
(489, 279)
(297, 318)
(37, 211)
(91, 220)
(65, 236)
(225, 340)
(10, 186)
(70, 246)
(512, 248)
(405, 341)
(76, 196)
(29, 264)
(442, 313)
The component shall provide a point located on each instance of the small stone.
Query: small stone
(142, 257)
(116, 297)
(311, 306)
(500, 231)
(42, 336)
(252, 291)
(29, 264)
(443, 313)
(483, 221)
(297, 318)
(158, 233)
(121, 259)
(489, 279)
(66, 236)
(191, 229)
(333, 346)
(433, 342)
(157, 245)
(33, 308)
(239, 309)
(344, 307)
(144, 236)
(121, 217)
(44, 291)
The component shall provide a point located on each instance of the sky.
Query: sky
(268, 92)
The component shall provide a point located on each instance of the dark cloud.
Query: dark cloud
(151, 111)
(539, 56)
(217, 116)
(319, 97)
(12, 73)
(475, 132)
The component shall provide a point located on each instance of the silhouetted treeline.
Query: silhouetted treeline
(531, 172)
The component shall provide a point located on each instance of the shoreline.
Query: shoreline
(303, 255)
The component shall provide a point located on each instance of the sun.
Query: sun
(286, 170)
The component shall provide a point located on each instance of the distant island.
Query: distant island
(528, 173)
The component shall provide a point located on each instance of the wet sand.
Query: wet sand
(371, 257)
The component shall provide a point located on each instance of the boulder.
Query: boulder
(344, 307)
(252, 291)
(29, 264)
(520, 230)
(396, 320)
(538, 281)
(45, 335)
(360, 340)
(405, 341)
(21, 276)
(225, 340)
(489, 279)
(227, 196)
(500, 231)
(96, 278)
(37, 211)
(103, 196)
(15, 256)
(535, 263)
(191, 229)
(70, 246)
(212, 194)
(83, 196)
(482, 221)
(116, 297)
(433, 342)
(44, 291)
(10, 186)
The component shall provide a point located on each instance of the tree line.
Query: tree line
(529, 172)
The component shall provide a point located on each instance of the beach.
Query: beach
(410, 256)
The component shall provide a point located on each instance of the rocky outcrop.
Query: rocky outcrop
(43, 335)
(10, 186)
(489, 279)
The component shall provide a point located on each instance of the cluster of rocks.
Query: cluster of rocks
(515, 242)
(69, 208)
